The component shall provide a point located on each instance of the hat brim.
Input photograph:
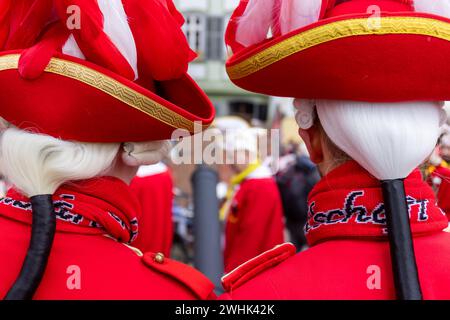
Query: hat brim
(77, 100)
(400, 57)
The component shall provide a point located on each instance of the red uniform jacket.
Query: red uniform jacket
(153, 187)
(255, 221)
(349, 256)
(88, 259)
(443, 195)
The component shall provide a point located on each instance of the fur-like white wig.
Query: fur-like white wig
(388, 139)
(38, 164)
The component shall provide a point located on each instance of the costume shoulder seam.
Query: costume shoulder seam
(184, 274)
(257, 265)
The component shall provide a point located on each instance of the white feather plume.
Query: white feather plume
(115, 25)
(437, 7)
(295, 14)
(254, 25)
(71, 48)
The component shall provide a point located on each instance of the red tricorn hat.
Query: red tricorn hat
(98, 71)
(367, 50)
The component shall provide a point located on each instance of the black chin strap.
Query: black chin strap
(42, 234)
(404, 267)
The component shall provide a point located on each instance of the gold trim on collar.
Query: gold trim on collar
(338, 30)
(109, 86)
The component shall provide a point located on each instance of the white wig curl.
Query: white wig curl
(388, 139)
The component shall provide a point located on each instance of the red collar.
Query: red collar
(102, 205)
(348, 203)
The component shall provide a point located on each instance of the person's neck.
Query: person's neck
(329, 165)
(122, 171)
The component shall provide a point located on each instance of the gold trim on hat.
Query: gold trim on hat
(109, 86)
(338, 30)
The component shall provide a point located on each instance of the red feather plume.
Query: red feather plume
(92, 40)
(34, 60)
(5, 6)
(28, 18)
(163, 51)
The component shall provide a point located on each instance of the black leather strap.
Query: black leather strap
(42, 234)
(406, 277)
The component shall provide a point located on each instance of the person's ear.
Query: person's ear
(313, 142)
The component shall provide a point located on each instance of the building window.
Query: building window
(215, 38)
(249, 110)
(195, 30)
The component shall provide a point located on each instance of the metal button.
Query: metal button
(159, 257)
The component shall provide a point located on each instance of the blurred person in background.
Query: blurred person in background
(83, 108)
(444, 189)
(295, 181)
(252, 210)
(445, 147)
(153, 186)
(369, 117)
(437, 171)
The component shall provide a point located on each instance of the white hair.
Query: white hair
(38, 164)
(388, 139)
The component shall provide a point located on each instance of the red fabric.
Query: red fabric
(444, 198)
(163, 50)
(28, 19)
(107, 268)
(348, 68)
(4, 22)
(35, 59)
(340, 270)
(254, 223)
(443, 195)
(155, 222)
(341, 264)
(173, 267)
(253, 267)
(358, 6)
